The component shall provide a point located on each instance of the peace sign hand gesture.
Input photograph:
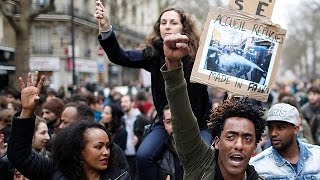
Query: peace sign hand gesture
(30, 94)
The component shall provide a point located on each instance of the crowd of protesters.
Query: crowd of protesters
(169, 134)
(56, 112)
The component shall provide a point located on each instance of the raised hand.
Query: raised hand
(101, 14)
(3, 148)
(175, 47)
(30, 94)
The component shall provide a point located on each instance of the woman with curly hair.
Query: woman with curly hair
(151, 58)
(237, 126)
(81, 151)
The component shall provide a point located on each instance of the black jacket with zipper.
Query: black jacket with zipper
(35, 166)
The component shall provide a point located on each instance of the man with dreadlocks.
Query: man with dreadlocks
(237, 126)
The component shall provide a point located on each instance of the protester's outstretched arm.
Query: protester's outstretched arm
(109, 42)
(30, 94)
(193, 152)
(102, 15)
(32, 165)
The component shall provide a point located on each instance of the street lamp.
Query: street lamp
(74, 78)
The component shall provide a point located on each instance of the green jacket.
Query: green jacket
(197, 158)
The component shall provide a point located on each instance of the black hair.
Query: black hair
(243, 108)
(83, 110)
(290, 99)
(166, 107)
(314, 89)
(116, 114)
(68, 145)
(77, 98)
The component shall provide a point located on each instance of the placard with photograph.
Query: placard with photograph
(238, 53)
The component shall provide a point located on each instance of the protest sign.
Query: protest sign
(238, 53)
(261, 8)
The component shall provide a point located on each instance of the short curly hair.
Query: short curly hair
(243, 108)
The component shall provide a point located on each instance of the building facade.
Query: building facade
(6, 53)
(51, 46)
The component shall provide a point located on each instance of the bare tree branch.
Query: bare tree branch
(304, 46)
(9, 16)
(17, 2)
(165, 4)
(48, 8)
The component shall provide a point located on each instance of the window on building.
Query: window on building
(134, 11)
(142, 17)
(41, 43)
(124, 7)
(87, 45)
(41, 3)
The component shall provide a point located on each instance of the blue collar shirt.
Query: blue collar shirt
(272, 166)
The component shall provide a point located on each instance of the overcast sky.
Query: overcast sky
(281, 11)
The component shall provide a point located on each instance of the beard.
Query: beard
(51, 123)
(284, 145)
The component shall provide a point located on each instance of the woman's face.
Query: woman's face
(96, 152)
(106, 115)
(170, 23)
(40, 137)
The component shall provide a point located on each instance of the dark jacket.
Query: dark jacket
(34, 166)
(138, 128)
(109, 174)
(119, 137)
(198, 94)
(309, 111)
(169, 163)
(120, 156)
(315, 128)
(6, 168)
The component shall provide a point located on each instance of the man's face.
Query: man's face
(10, 98)
(68, 116)
(98, 106)
(167, 121)
(314, 98)
(236, 145)
(48, 115)
(126, 104)
(282, 134)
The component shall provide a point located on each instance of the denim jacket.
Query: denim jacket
(271, 165)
